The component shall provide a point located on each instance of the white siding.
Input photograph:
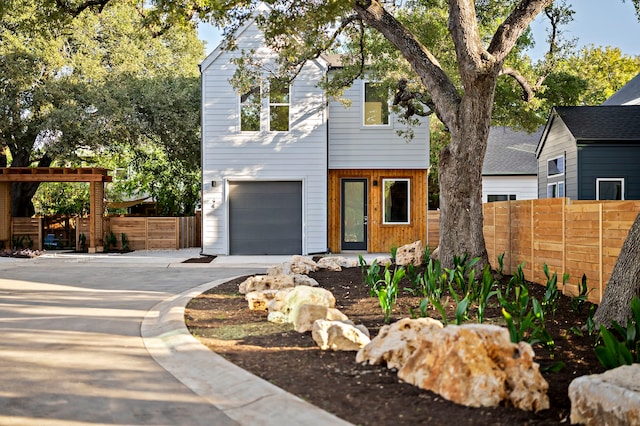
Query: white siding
(230, 155)
(524, 187)
(355, 146)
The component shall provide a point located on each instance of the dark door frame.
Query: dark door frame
(359, 245)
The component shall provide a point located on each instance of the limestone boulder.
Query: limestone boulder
(396, 342)
(610, 398)
(477, 365)
(381, 260)
(283, 268)
(259, 300)
(308, 314)
(302, 265)
(301, 279)
(338, 336)
(410, 254)
(276, 303)
(303, 295)
(336, 263)
(266, 282)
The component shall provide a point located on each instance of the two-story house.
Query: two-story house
(285, 170)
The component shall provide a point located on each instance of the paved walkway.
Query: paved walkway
(90, 340)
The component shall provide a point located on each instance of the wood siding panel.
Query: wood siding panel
(355, 146)
(609, 160)
(559, 141)
(381, 238)
(231, 155)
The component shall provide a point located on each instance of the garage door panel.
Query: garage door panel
(265, 217)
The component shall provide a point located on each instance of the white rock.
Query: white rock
(336, 263)
(259, 300)
(302, 265)
(283, 268)
(477, 365)
(396, 342)
(338, 336)
(301, 279)
(265, 282)
(303, 295)
(610, 398)
(410, 254)
(308, 314)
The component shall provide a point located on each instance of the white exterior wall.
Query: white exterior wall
(524, 187)
(231, 155)
(352, 145)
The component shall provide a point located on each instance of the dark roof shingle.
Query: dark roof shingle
(604, 123)
(511, 152)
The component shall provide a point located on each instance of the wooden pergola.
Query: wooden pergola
(95, 176)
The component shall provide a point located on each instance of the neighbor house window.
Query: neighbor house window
(501, 197)
(376, 105)
(250, 105)
(610, 189)
(555, 166)
(395, 201)
(555, 190)
(278, 106)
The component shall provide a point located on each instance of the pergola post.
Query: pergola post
(96, 209)
(5, 215)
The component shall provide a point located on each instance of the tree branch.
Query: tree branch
(463, 26)
(512, 28)
(437, 83)
(75, 11)
(528, 91)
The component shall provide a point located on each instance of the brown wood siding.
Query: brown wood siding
(381, 238)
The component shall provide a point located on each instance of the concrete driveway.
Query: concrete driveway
(89, 340)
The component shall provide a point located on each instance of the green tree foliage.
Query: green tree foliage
(88, 79)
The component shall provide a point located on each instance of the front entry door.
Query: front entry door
(354, 214)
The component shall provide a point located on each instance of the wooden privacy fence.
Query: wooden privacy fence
(576, 237)
(28, 229)
(149, 233)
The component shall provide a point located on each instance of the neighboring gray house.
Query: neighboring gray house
(510, 169)
(629, 94)
(287, 171)
(590, 153)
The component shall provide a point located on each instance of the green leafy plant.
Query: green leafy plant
(125, 242)
(110, 241)
(488, 289)
(370, 273)
(82, 239)
(17, 242)
(394, 252)
(426, 253)
(414, 278)
(621, 345)
(500, 265)
(551, 293)
(578, 302)
(386, 290)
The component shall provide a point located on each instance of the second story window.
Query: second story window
(278, 106)
(555, 166)
(376, 105)
(250, 104)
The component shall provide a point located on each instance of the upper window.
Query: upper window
(395, 201)
(250, 105)
(278, 106)
(376, 105)
(555, 190)
(555, 166)
(501, 197)
(610, 189)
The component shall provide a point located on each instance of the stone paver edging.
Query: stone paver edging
(241, 395)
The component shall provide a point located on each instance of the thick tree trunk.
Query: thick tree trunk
(624, 282)
(22, 193)
(460, 176)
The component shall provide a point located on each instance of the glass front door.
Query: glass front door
(354, 214)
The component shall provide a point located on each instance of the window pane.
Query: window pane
(279, 120)
(396, 201)
(551, 191)
(493, 198)
(376, 105)
(250, 111)
(278, 92)
(278, 106)
(555, 166)
(610, 190)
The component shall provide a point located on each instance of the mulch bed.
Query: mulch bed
(201, 259)
(373, 395)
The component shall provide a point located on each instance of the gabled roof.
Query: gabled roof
(596, 123)
(511, 152)
(629, 94)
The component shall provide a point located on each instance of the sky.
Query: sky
(595, 22)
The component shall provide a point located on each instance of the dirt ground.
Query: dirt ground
(373, 395)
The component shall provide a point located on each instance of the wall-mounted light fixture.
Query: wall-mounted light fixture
(213, 183)
(375, 183)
